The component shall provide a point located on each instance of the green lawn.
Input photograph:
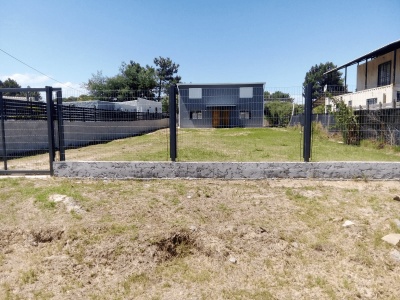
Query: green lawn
(233, 144)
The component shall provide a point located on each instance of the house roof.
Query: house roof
(378, 52)
(219, 84)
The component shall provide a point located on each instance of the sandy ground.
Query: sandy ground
(197, 239)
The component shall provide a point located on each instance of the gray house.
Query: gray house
(221, 105)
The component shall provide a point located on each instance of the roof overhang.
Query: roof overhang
(220, 105)
(378, 52)
(243, 84)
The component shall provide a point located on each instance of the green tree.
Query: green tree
(131, 77)
(166, 70)
(319, 80)
(97, 84)
(278, 113)
(11, 83)
(277, 96)
(347, 123)
(138, 77)
(35, 95)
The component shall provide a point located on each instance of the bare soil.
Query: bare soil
(198, 239)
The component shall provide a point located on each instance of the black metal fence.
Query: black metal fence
(35, 110)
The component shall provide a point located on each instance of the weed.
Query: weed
(135, 279)
(29, 277)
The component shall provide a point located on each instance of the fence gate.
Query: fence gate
(28, 144)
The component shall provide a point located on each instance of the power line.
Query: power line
(38, 70)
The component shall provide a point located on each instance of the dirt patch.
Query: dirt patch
(176, 245)
(199, 239)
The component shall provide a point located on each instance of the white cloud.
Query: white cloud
(40, 81)
(27, 79)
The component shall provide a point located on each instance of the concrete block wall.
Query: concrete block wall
(228, 170)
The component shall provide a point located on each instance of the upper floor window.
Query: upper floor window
(246, 92)
(195, 93)
(384, 73)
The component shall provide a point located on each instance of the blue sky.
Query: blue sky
(272, 41)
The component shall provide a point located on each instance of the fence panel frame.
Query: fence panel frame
(50, 125)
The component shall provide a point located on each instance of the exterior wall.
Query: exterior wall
(139, 105)
(28, 136)
(372, 71)
(223, 97)
(385, 96)
(144, 105)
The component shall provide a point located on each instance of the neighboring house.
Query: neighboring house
(221, 105)
(139, 105)
(24, 98)
(143, 105)
(378, 79)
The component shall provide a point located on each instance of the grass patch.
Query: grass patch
(226, 144)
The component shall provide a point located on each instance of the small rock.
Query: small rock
(348, 223)
(397, 222)
(395, 254)
(397, 198)
(189, 197)
(193, 228)
(392, 238)
(233, 260)
(295, 245)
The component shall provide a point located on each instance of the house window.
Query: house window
(195, 93)
(372, 101)
(384, 73)
(196, 115)
(246, 92)
(244, 115)
(398, 96)
(350, 103)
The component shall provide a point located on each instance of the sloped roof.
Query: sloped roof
(378, 52)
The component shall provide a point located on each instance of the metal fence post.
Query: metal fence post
(60, 124)
(172, 123)
(307, 123)
(3, 132)
(50, 126)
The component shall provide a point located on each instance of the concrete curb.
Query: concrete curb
(229, 170)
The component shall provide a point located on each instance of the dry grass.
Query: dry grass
(198, 239)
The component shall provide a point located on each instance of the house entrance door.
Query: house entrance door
(220, 117)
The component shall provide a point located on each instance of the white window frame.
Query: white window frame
(196, 115)
(246, 92)
(244, 115)
(195, 93)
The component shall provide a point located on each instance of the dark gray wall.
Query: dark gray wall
(224, 97)
(29, 136)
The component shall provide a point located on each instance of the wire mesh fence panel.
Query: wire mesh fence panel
(237, 122)
(363, 124)
(126, 127)
(24, 133)
(115, 126)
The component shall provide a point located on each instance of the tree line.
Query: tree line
(135, 80)
(11, 83)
